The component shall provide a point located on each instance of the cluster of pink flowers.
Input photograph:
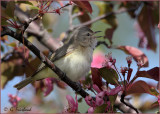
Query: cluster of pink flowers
(72, 105)
(14, 99)
(101, 98)
(49, 85)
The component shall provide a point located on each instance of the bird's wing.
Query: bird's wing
(59, 53)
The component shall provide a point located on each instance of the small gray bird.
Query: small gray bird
(73, 58)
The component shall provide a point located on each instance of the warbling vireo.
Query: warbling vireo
(73, 58)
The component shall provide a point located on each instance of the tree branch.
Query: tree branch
(34, 29)
(30, 28)
(122, 107)
(75, 86)
(127, 104)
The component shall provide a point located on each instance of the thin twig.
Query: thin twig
(104, 16)
(76, 15)
(70, 17)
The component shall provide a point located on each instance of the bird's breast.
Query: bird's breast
(77, 63)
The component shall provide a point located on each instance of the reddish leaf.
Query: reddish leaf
(137, 54)
(152, 73)
(84, 18)
(96, 77)
(145, 20)
(141, 87)
(142, 37)
(84, 5)
(109, 33)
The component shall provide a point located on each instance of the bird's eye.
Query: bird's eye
(88, 34)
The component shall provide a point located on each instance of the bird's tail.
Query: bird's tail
(24, 83)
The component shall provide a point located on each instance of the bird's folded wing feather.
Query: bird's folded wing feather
(59, 53)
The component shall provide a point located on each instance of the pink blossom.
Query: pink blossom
(48, 86)
(14, 100)
(72, 105)
(90, 101)
(98, 60)
(109, 61)
(114, 91)
(95, 87)
(91, 109)
(99, 98)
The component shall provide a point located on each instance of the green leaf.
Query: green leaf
(10, 9)
(153, 91)
(25, 2)
(34, 7)
(100, 109)
(3, 21)
(112, 99)
(50, 30)
(13, 44)
(75, 9)
(23, 103)
(110, 75)
(2, 48)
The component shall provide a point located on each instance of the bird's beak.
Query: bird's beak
(96, 33)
